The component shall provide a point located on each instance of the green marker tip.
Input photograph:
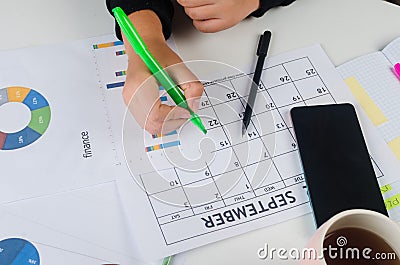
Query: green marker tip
(197, 121)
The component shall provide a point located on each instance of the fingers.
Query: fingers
(210, 25)
(151, 114)
(167, 113)
(194, 3)
(164, 118)
(193, 92)
(202, 12)
(189, 83)
(141, 94)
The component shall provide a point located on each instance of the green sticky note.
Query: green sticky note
(386, 188)
(392, 202)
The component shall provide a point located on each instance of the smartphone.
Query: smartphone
(337, 166)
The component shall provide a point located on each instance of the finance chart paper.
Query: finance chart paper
(87, 222)
(54, 132)
(58, 152)
(188, 189)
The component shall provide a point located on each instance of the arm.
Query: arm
(141, 93)
(162, 8)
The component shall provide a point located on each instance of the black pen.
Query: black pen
(262, 50)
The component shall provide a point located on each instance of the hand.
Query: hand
(217, 15)
(141, 91)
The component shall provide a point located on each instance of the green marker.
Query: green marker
(167, 260)
(165, 80)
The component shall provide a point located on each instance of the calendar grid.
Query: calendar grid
(226, 135)
(269, 152)
(271, 157)
(222, 198)
(187, 199)
(283, 86)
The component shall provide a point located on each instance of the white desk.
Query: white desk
(346, 29)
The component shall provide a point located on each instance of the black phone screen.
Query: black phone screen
(337, 166)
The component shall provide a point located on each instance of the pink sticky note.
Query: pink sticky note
(397, 69)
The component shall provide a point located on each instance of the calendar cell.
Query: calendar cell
(311, 87)
(285, 95)
(162, 180)
(292, 159)
(275, 76)
(251, 152)
(279, 143)
(300, 68)
(221, 92)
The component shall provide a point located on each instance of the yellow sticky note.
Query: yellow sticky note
(386, 188)
(392, 202)
(371, 109)
(395, 146)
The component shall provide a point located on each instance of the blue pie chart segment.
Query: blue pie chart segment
(17, 251)
(20, 139)
(34, 100)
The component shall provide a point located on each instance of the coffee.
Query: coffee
(357, 246)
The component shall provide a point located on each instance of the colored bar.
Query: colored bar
(118, 53)
(371, 109)
(120, 73)
(392, 202)
(107, 45)
(386, 188)
(3, 96)
(115, 85)
(2, 139)
(162, 146)
(20, 139)
(161, 88)
(156, 147)
(162, 135)
(170, 144)
(149, 149)
(395, 146)
(40, 119)
(163, 98)
(34, 100)
(17, 94)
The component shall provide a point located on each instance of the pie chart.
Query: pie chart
(38, 124)
(17, 251)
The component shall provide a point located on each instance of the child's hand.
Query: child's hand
(217, 15)
(141, 91)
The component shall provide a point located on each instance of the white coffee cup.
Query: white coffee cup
(358, 218)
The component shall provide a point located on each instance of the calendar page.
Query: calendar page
(188, 189)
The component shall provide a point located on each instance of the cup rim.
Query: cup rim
(328, 224)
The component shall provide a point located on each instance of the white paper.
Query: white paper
(85, 226)
(182, 197)
(65, 201)
(77, 149)
(86, 114)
